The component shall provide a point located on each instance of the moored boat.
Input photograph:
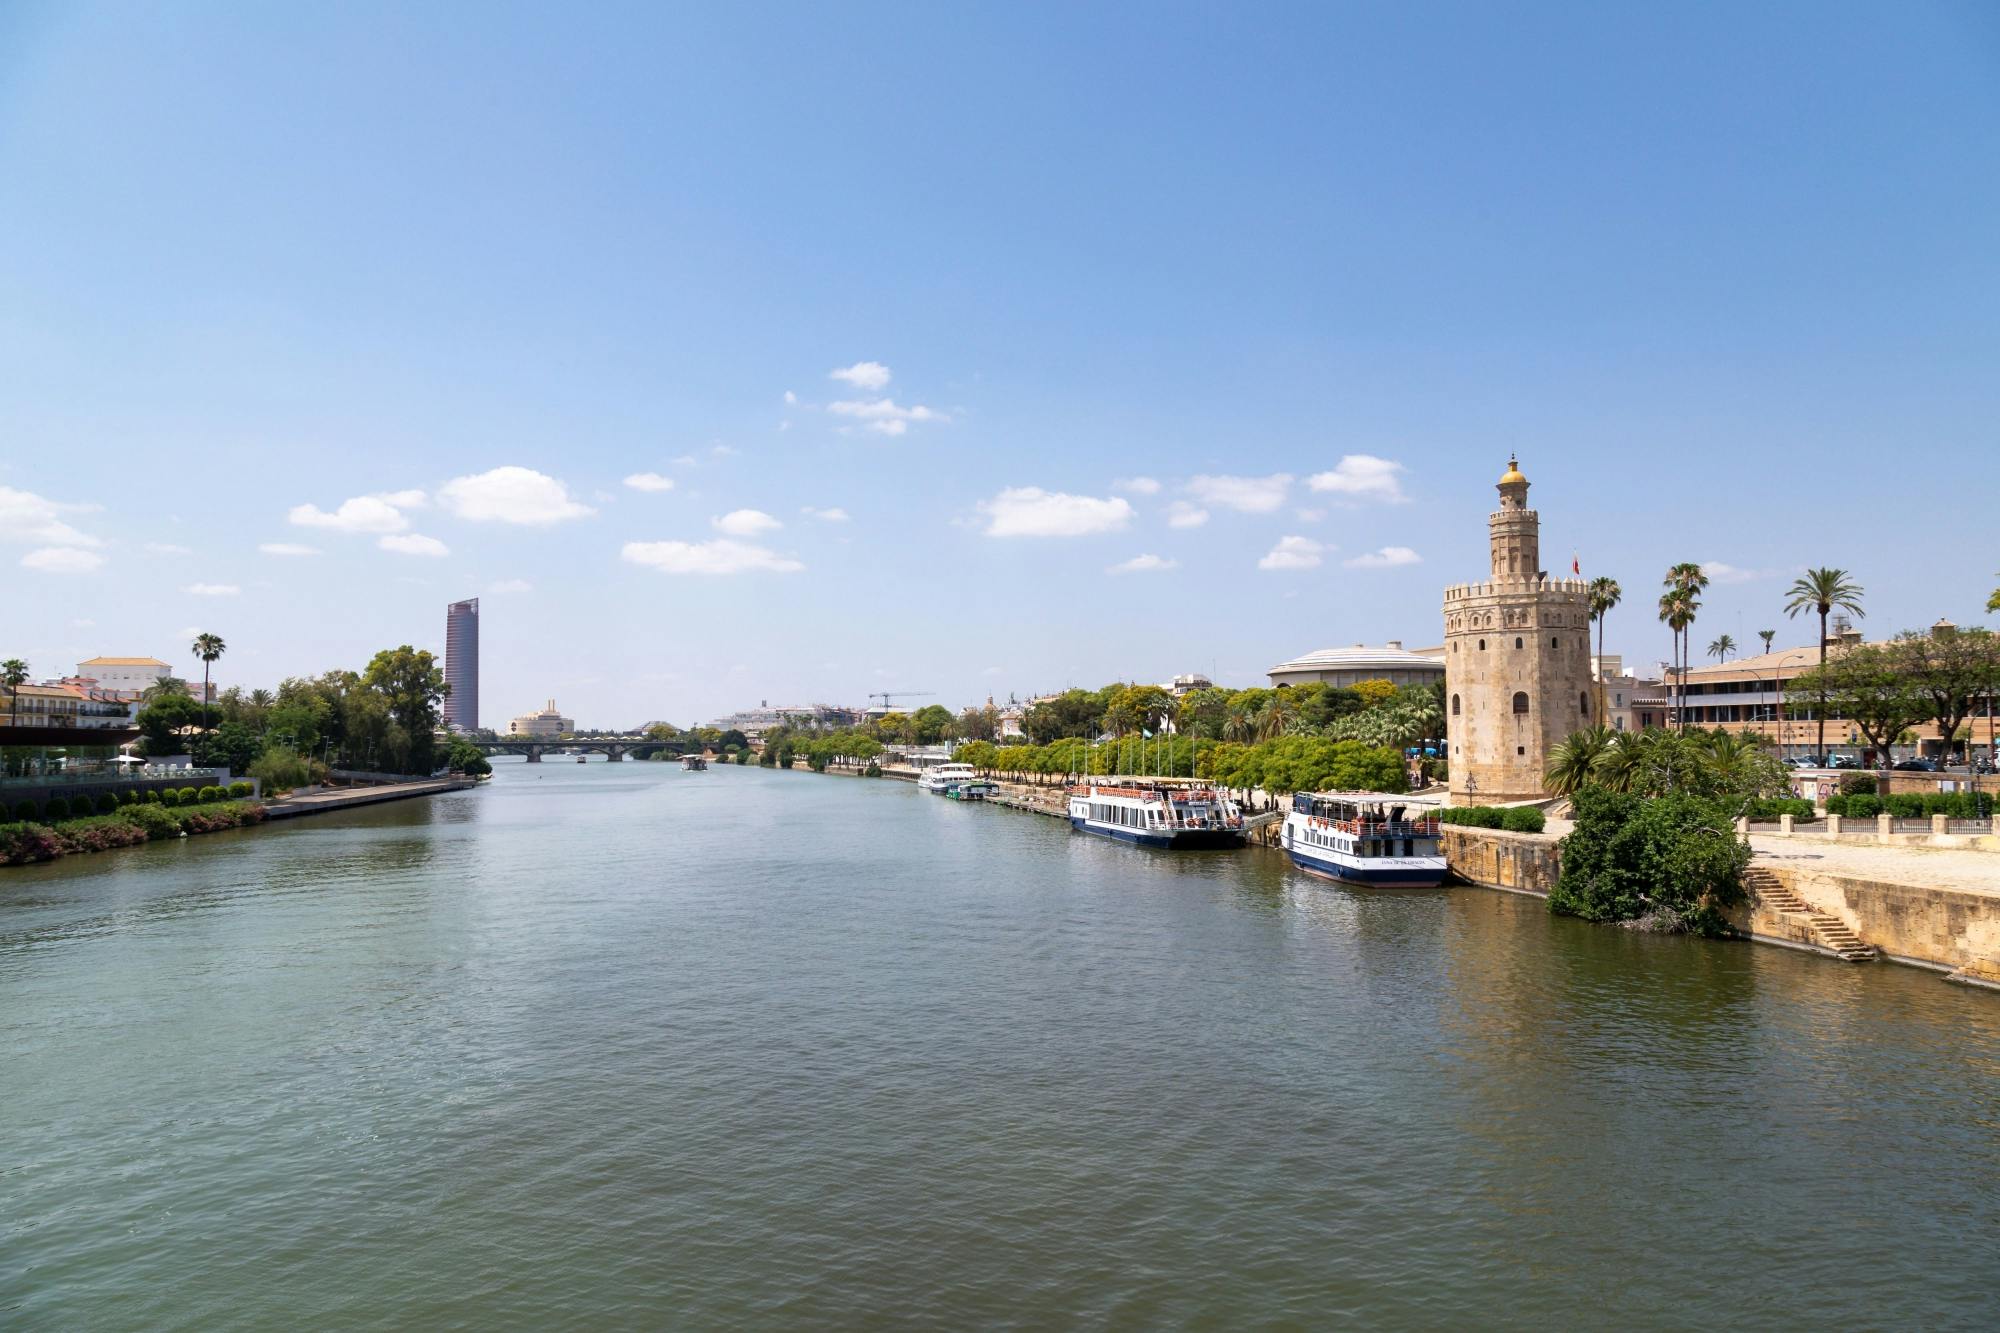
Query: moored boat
(939, 779)
(1369, 839)
(1182, 817)
(977, 789)
(694, 763)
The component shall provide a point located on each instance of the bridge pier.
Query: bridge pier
(534, 754)
(614, 755)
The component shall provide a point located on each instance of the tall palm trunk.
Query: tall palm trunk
(1602, 720)
(1819, 746)
(206, 724)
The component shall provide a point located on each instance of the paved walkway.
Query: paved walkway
(312, 803)
(1924, 867)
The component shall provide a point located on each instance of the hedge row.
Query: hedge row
(24, 841)
(58, 808)
(1510, 818)
(1768, 809)
(1914, 805)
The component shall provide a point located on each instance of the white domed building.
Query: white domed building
(1350, 666)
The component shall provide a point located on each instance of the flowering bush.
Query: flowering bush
(151, 820)
(22, 843)
(98, 833)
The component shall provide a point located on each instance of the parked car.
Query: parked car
(1985, 766)
(1843, 761)
(1917, 766)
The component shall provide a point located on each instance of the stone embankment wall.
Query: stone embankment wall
(1910, 923)
(1516, 862)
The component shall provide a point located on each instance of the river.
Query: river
(619, 1045)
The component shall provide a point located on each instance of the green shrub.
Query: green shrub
(874, 770)
(1769, 809)
(152, 819)
(106, 802)
(98, 833)
(280, 769)
(1905, 804)
(239, 790)
(1522, 819)
(130, 796)
(56, 808)
(1858, 784)
(1863, 805)
(210, 793)
(1673, 861)
(25, 842)
(26, 812)
(152, 796)
(1836, 805)
(186, 795)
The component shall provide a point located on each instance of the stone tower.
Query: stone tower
(1517, 661)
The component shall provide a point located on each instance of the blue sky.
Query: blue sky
(1725, 276)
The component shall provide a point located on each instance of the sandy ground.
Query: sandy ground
(1931, 867)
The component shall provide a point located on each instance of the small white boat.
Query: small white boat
(1366, 838)
(939, 779)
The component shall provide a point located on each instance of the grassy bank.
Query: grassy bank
(25, 842)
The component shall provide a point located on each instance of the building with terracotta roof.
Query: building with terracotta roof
(124, 673)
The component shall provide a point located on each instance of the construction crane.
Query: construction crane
(886, 695)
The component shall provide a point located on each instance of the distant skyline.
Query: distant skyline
(795, 353)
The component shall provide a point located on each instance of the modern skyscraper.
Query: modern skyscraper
(461, 665)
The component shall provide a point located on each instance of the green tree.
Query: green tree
(232, 746)
(411, 687)
(161, 721)
(209, 648)
(1721, 647)
(1674, 861)
(465, 757)
(1823, 591)
(1953, 670)
(13, 674)
(932, 723)
(1573, 763)
(1678, 605)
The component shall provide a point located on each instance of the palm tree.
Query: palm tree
(208, 647)
(1687, 581)
(1239, 725)
(1720, 648)
(1604, 595)
(14, 673)
(1573, 763)
(1767, 635)
(1277, 716)
(1822, 590)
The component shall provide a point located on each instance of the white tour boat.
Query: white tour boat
(1365, 838)
(1156, 814)
(939, 779)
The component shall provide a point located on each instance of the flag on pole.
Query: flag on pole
(1575, 567)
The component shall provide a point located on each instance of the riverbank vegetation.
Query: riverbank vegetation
(25, 842)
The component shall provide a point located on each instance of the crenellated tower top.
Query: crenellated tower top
(1515, 530)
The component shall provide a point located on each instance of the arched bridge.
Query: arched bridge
(613, 748)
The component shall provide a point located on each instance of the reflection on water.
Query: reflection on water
(626, 1044)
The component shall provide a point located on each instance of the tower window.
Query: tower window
(1583, 700)
(1482, 645)
(1520, 701)
(1554, 644)
(1520, 749)
(1454, 705)
(1517, 643)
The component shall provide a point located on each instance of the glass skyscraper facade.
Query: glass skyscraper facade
(461, 665)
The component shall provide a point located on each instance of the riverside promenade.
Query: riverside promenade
(344, 798)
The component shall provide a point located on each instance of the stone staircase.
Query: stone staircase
(1824, 929)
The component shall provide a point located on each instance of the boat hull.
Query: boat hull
(1173, 840)
(1392, 876)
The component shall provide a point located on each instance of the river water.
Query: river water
(618, 1045)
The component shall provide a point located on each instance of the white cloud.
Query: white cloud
(1249, 495)
(364, 513)
(834, 514)
(1181, 514)
(1142, 564)
(1293, 553)
(287, 549)
(413, 543)
(29, 518)
(791, 399)
(1364, 477)
(745, 523)
(211, 590)
(720, 556)
(62, 560)
(649, 481)
(1137, 485)
(1719, 572)
(868, 376)
(505, 586)
(884, 416)
(404, 499)
(1389, 557)
(82, 622)
(1030, 511)
(166, 548)
(1310, 515)
(511, 495)
(722, 450)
